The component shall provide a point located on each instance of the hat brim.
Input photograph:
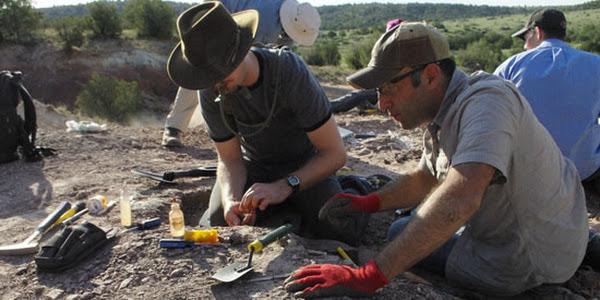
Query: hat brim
(191, 77)
(287, 12)
(370, 77)
(521, 33)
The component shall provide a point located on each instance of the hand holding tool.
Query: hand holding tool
(147, 224)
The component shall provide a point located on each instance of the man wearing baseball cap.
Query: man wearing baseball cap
(277, 144)
(486, 218)
(570, 108)
(282, 22)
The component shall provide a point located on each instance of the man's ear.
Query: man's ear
(432, 73)
(539, 33)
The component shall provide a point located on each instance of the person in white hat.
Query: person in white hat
(282, 22)
(277, 143)
(500, 209)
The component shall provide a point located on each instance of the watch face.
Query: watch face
(293, 180)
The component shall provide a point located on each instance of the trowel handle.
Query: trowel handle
(198, 172)
(60, 210)
(263, 241)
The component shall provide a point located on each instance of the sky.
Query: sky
(49, 3)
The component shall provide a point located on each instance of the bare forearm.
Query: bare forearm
(330, 157)
(427, 230)
(407, 191)
(323, 164)
(232, 179)
(438, 218)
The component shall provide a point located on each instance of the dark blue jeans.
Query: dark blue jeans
(436, 261)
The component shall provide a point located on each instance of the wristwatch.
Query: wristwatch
(294, 183)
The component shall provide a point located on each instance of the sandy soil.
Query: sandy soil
(133, 266)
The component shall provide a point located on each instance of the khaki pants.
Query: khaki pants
(184, 106)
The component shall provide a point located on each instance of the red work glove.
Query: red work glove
(343, 204)
(316, 281)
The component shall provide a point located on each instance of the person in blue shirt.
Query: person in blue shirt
(282, 22)
(562, 85)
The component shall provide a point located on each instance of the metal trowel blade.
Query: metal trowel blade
(232, 272)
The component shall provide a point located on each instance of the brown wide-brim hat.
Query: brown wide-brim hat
(212, 44)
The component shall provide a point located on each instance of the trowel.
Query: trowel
(237, 270)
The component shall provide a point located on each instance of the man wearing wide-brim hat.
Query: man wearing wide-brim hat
(499, 209)
(282, 22)
(277, 143)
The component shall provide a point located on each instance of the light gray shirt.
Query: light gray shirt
(532, 226)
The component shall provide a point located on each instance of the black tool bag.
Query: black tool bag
(14, 131)
(362, 185)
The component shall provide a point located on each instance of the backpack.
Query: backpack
(14, 131)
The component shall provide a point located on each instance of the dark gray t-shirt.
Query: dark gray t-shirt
(301, 106)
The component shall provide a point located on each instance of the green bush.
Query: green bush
(360, 55)
(105, 19)
(70, 32)
(322, 53)
(480, 55)
(19, 21)
(151, 18)
(109, 98)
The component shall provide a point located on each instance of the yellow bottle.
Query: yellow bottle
(125, 207)
(176, 221)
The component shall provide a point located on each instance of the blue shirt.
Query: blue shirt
(269, 24)
(562, 84)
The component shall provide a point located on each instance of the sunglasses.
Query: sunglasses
(386, 88)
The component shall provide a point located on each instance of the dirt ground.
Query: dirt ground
(133, 266)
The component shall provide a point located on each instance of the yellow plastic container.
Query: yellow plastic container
(202, 236)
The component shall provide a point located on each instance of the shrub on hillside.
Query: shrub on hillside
(70, 32)
(480, 55)
(151, 18)
(109, 98)
(360, 55)
(105, 19)
(322, 53)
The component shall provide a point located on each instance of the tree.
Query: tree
(151, 18)
(70, 31)
(18, 21)
(105, 19)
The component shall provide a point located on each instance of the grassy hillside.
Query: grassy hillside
(510, 23)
